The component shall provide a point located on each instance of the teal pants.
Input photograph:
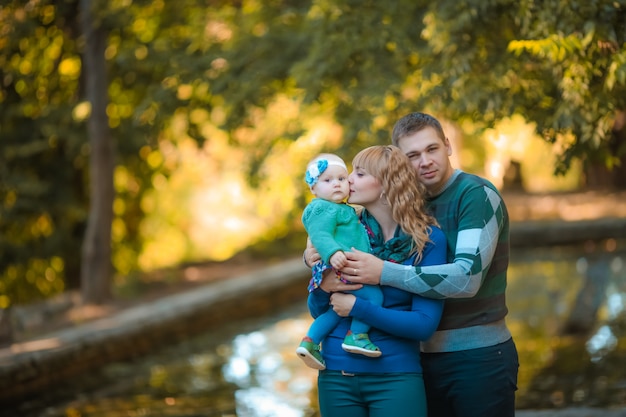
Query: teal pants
(371, 395)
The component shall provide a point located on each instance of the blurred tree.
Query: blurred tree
(44, 181)
(96, 272)
(560, 65)
(221, 64)
(43, 196)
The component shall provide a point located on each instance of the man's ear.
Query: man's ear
(447, 145)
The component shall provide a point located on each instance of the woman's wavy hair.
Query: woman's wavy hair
(402, 188)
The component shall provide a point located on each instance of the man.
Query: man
(471, 363)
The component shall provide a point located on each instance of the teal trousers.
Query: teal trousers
(371, 395)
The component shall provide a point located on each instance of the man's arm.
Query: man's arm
(462, 278)
(418, 323)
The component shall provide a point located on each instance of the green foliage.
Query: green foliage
(43, 160)
(561, 65)
(45, 154)
(581, 47)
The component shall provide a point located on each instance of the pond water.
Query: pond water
(567, 314)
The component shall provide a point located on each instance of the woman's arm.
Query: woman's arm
(319, 299)
(418, 324)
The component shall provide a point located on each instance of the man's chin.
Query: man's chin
(430, 184)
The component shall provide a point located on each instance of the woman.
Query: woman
(384, 183)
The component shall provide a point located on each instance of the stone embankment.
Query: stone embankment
(34, 365)
(555, 219)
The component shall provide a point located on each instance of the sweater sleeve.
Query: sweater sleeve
(418, 324)
(320, 221)
(481, 218)
(422, 320)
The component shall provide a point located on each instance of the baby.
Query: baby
(334, 227)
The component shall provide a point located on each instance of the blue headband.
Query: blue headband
(317, 168)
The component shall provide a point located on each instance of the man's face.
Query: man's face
(429, 155)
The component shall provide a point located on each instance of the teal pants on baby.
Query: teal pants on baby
(326, 322)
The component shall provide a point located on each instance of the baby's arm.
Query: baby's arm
(338, 260)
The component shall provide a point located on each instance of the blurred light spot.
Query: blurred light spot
(81, 111)
(601, 343)
(257, 402)
(615, 305)
(70, 67)
(270, 363)
(237, 370)
(248, 346)
(617, 264)
(301, 385)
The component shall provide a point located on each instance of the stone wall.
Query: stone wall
(31, 367)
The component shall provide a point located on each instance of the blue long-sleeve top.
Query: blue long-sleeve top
(398, 325)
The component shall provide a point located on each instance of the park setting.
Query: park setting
(152, 176)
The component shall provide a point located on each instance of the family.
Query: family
(408, 291)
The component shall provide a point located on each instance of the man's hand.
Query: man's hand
(362, 268)
(342, 303)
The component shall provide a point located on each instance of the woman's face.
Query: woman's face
(365, 189)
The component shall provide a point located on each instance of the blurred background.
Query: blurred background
(140, 137)
(179, 131)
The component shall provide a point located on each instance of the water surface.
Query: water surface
(567, 315)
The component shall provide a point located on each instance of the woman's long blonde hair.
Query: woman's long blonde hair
(403, 190)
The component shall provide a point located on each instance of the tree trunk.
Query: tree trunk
(96, 268)
(6, 327)
(597, 175)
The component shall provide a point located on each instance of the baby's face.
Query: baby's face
(332, 185)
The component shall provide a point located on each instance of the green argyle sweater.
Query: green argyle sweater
(474, 218)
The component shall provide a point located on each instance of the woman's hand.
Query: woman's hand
(342, 303)
(362, 268)
(311, 256)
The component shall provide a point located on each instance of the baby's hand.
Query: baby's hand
(338, 260)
